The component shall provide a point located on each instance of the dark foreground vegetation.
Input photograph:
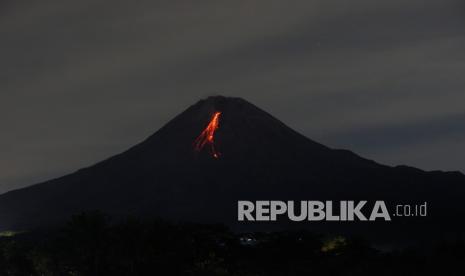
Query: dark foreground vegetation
(90, 245)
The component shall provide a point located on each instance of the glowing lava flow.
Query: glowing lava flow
(208, 136)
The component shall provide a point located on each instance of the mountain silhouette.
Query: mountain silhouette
(196, 169)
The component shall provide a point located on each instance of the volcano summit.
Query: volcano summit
(222, 150)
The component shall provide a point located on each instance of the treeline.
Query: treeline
(89, 244)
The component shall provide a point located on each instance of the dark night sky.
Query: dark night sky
(83, 80)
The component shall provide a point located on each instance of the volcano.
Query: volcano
(221, 150)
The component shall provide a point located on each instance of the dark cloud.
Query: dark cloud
(83, 80)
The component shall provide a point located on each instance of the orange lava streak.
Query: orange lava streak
(208, 135)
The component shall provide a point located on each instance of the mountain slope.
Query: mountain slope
(259, 158)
